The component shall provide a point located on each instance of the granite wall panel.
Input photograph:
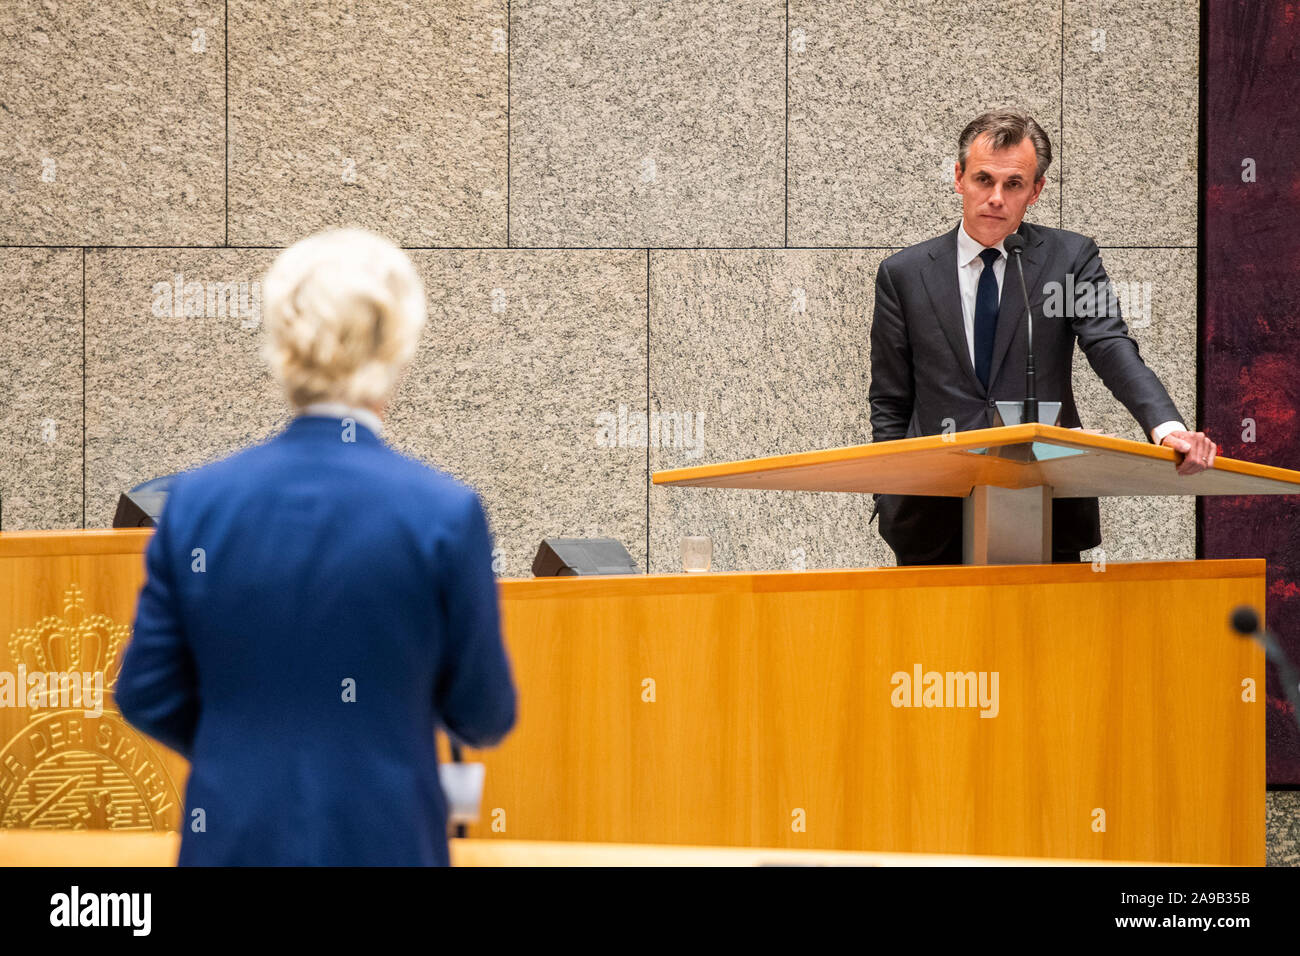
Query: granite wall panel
(1130, 108)
(175, 379)
(40, 388)
(173, 374)
(637, 124)
(880, 91)
(385, 114)
(112, 123)
(526, 355)
(758, 353)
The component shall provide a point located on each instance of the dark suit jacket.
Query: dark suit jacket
(323, 562)
(921, 371)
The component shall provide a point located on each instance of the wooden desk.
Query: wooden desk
(773, 707)
(757, 710)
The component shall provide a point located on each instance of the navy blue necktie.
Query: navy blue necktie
(986, 316)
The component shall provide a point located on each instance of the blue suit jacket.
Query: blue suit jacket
(314, 608)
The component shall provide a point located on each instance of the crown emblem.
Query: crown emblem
(77, 642)
(77, 764)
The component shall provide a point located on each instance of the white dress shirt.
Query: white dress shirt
(969, 268)
(341, 410)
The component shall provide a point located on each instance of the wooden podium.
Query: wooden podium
(67, 601)
(1008, 476)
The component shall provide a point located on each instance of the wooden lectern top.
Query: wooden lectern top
(1073, 463)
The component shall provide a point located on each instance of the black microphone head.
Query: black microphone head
(1013, 243)
(1245, 620)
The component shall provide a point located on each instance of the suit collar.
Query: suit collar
(940, 278)
(341, 410)
(307, 427)
(968, 249)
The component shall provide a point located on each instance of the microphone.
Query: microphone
(1245, 621)
(1015, 244)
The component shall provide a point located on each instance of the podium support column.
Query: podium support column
(1007, 525)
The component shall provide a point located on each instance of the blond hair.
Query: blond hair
(343, 312)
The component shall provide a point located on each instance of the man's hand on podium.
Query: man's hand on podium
(1195, 452)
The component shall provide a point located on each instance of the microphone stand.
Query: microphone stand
(1030, 414)
(1245, 621)
(457, 757)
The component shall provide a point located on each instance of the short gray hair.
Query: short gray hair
(1006, 128)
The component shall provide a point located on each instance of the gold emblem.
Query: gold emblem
(77, 765)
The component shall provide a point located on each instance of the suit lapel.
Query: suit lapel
(1011, 306)
(940, 278)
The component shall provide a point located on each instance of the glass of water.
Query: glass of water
(697, 553)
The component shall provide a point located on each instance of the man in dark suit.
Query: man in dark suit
(947, 343)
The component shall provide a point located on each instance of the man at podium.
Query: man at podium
(948, 343)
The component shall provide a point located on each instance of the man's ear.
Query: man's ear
(957, 171)
(1038, 188)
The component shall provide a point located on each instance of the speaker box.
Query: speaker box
(142, 506)
(564, 557)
